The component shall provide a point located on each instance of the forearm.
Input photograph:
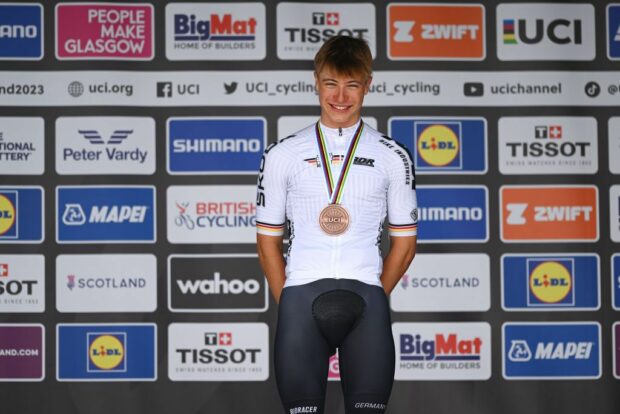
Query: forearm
(271, 258)
(397, 261)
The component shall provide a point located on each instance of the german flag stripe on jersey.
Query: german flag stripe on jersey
(270, 229)
(403, 229)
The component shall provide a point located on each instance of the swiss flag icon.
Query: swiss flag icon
(4, 269)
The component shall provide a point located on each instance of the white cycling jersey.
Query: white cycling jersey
(292, 187)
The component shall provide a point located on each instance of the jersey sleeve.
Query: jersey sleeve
(402, 205)
(271, 192)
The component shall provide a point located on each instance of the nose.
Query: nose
(341, 96)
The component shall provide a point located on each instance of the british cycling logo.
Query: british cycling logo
(21, 31)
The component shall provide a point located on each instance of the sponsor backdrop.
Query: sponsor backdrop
(130, 138)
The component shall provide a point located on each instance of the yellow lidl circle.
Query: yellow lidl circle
(106, 352)
(438, 145)
(7, 214)
(551, 282)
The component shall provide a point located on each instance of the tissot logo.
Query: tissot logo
(545, 32)
(21, 31)
(22, 283)
(216, 283)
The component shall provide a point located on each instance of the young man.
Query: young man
(333, 184)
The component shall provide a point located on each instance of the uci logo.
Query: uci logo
(559, 31)
(438, 145)
(550, 282)
(107, 352)
(7, 214)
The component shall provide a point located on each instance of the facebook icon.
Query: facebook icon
(164, 89)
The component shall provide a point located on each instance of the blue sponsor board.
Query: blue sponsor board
(123, 214)
(552, 350)
(550, 282)
(615, 282)
(99, 352)
(443, 145)
(613, 32)
(21, 215)
(215, 145)
(21, 31)
(457, 214)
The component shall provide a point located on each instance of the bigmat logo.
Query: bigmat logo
(614, 212)
(443, 145)
(22, 145)
(105, 214)
(218, 352)
(615, 281)
(22, 352)
(544, 282)
(613, 31)
(561, 350)
(453, 214)
(436, 32)
(21, 31)
(106, 283)
(548, 145)
(442, 351)
(105, 145)
(545, 31)
(216, 283)
(22, 283)
(106, 352)
(110, 31)
(616, 351)
(215, 31)
(211, 214)
(215, 145)
(613, 127)
(303, 27)
(567, 213)
(445, 283)
(21, 214)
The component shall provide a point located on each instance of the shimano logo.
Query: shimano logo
(217, 145)
(451, 213)
(16, 31)
(217, 286)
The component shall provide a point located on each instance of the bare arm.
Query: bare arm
(397, 261)
(271, 259)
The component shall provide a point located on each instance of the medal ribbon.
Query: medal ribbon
(335, 191)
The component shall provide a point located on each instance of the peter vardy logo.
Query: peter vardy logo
(443, 146)
(105, 214)
(21, 31)
(453, 214)
(115, 352)
(215, 145)
(216, 283)
(563, 350)
(21, 215)
(550, 282)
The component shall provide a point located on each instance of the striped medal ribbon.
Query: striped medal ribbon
(334, 219)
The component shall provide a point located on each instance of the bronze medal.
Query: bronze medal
(334, 220)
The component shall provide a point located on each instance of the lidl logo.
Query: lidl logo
(21, 31)
(549, 213)
(436, 32)
(443, 146)
(613, 31)
(99, 352)
(548, 282)
(215, 145)
(8, 214)
(453, 214)
(21, 214)
(565, 350)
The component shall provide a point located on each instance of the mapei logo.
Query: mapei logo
(538, 282)
(215, 145)
(563, 350)
(111, 31)
(21, 31)
(443, 145)
(549, 213)
(545, 32)
(106, 352)
(436, 32)
(453, 214)
(613, 31)
(105, 214)
(21, 214)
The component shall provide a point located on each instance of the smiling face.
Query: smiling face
(341, 97)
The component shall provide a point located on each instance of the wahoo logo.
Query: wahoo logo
(563, 350)
(217, 28)
(548, 213)
(105, 214)
(21, 27)
(217, 286)
(442, 347)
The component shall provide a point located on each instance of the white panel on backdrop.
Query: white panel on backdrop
(303, 27)
(545, 31)
(22, 145)
(288, 125)
(548, 145)
(614, 212)
(444, 283)
(105, 145)
(215, 31)
(22, 283)
(106, 283)
(211, 214)
(614, 144)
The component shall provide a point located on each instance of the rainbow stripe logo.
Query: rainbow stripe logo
(509, 32)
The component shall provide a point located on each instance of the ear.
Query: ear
(367, 85)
